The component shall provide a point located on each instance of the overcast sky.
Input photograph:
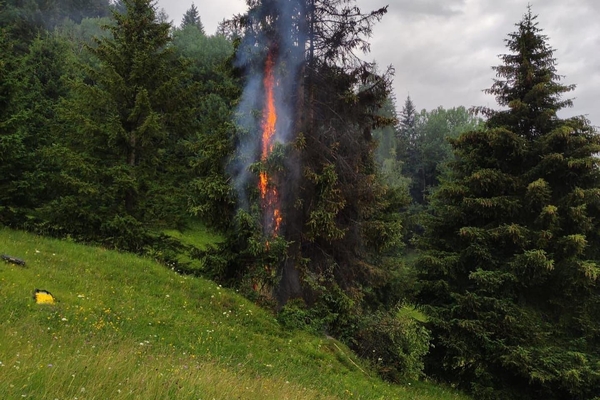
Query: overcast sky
(443, 50)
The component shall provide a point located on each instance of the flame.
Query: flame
(268, 191)
(270, 112)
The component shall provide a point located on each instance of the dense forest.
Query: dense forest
(459, 245)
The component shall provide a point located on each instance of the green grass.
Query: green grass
(196, 234)
(125, 327)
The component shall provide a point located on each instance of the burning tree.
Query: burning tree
(312, 208)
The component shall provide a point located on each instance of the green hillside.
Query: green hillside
(126, 327)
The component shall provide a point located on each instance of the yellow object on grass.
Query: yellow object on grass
(43, 297)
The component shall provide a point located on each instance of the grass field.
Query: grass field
(125, 327)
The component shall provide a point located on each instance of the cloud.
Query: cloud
(426, 7)
(443, 50)
(446, 58)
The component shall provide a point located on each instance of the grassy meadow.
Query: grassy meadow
(125, 327)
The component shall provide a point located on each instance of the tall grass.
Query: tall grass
(125, 327)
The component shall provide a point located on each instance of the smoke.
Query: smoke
(274, 28)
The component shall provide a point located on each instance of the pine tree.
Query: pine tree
(407, 127)
(14, 155)
(407, 149)
(30, 88)
(510, 272)
(339, 226)
(208, 62)
(333, 200)
(192, 18)
(123, 158)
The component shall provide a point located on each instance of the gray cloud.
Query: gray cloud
(443, 50)
(447, 61)
(427, 7)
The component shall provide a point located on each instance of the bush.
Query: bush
(395, 343)
(295, 315)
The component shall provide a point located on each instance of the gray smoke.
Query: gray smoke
(284, 40)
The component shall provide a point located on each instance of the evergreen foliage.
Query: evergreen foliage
(407, 133)
(422, 146)
(351, 218)
(423, 152)
(339, 217)
(208, 59)
(122, 157)
(27, 19)
(192, 18)
(511, 267)
(13, 152)
(32, 89)
(338, 247)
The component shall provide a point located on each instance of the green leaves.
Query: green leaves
(533, 263)
(322, 218)
(520, 212)
(120, 167)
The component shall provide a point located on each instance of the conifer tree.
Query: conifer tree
(407, 127)
(123, 157)
(192, 18)
(208, 62)
(334, 204)
(13, 152)
(30, 89)
(510, 275)
(407, 149)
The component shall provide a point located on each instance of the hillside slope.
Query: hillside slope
(125, 327)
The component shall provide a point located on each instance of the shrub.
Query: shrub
(395, 343)
(295, 315)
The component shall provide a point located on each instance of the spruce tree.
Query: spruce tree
(408, 150)
(14, 155)
(407, 127)
(30, 88)
(338, 216)
(192, 18)
(208, 62)
(122, 156)
(512, 257)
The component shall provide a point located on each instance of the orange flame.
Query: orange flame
(268, 192)
(269, 112)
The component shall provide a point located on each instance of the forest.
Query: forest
(460, 246)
